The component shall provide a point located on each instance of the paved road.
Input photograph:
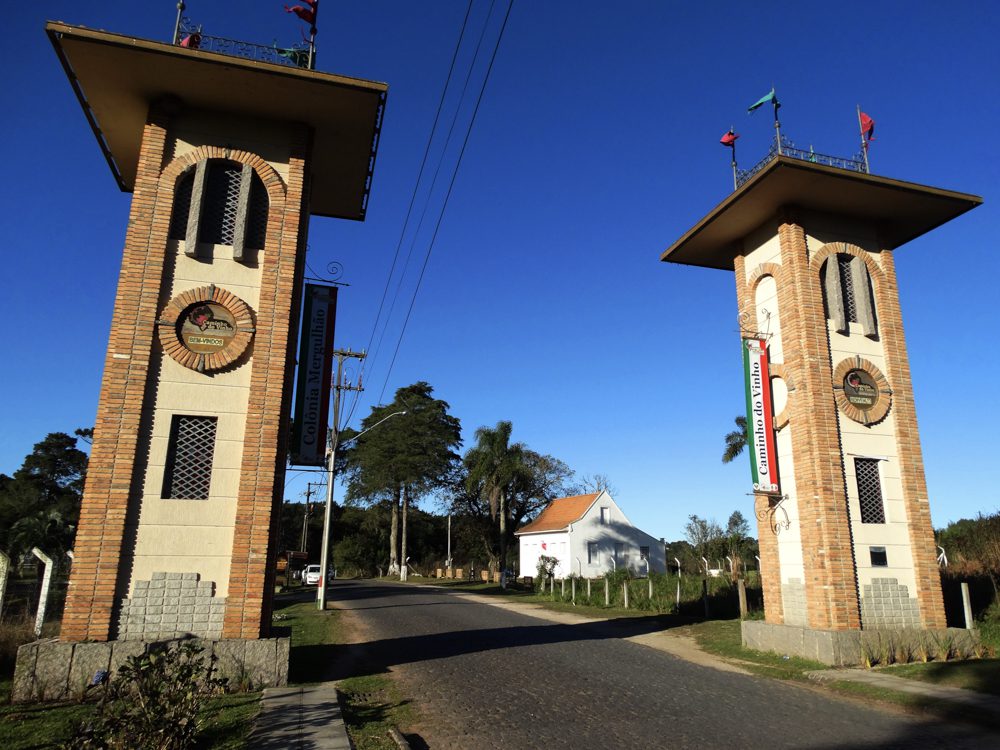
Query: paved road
(485, 677)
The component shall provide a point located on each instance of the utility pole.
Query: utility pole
(331, 458)
(305, 516)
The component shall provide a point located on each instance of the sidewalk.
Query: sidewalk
(300, 718)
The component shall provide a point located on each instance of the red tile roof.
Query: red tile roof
(559, 514)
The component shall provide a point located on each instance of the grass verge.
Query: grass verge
(371, 703)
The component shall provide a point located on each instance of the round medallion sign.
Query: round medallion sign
(860, 389)
(206, 328)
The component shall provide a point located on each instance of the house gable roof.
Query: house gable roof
(560, 513)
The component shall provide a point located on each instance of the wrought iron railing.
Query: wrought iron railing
(190, 35)
(855, 164)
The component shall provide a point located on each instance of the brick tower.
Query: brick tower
(226, 157)
(845, 532)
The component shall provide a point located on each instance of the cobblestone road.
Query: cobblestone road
(484, 677)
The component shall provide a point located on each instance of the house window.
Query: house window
(604, 515)
(621, 553)
(878, 556)
(188, 472)
(869, 490)
(592, 554)
(643, 553)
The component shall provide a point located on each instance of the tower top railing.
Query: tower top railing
(190, 35)
(784, 147)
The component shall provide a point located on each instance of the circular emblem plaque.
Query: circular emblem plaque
(861, 390)
(206, 329)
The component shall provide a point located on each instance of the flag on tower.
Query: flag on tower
(768, 97)
(867, 127)
(306, 14)
(729, 139)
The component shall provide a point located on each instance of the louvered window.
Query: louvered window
(219, 213)
(869, 490)
(188, 473)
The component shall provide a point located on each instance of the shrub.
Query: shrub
(153, 703)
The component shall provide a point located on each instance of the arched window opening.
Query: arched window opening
(221, 203)
(847, 294)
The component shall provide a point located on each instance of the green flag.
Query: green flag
(768, 97)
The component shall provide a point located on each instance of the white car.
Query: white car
(311, 575)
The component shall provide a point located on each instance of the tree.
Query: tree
(596, 483)
(40, 504)
(737, 535)
(404, 459)
(703, 534)
(736, 440)
(545, 479)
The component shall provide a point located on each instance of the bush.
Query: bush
(14, 633)
(153, 703)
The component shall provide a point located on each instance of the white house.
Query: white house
(589, 535)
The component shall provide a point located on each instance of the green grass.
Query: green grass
(722, 638)
(981, 675)
(372, 705)
(47, 725)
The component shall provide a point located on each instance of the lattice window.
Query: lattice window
(188, 473)
(847, 291)
(220, 203)
(869, 490)
(182, 206)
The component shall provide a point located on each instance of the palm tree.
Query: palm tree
(497, 468)
(736, 440)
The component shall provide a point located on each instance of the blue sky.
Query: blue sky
(595, 147)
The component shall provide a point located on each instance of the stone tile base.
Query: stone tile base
(53, 670)
(837, 648)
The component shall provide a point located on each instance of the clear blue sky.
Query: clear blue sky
(545, 302)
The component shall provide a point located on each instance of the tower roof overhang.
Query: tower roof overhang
(116, 78)
(901, 211)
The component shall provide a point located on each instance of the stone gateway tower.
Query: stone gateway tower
(846, 541)
(226, 157)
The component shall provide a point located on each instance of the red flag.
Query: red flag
(306, 14)
(729, 139)
(867, 127)
(191, 41)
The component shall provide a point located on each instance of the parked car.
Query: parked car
(312, 575)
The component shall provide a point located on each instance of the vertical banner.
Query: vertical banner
(312, 390)
(760, 417)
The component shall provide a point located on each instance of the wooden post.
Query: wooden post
(741, 589)
(562, 588)
(572, 585)
(607, 594)
(588, 591)
(967, 606)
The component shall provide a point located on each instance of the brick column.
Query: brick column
(111, 482)
(265, 442)
(830, 578)
(767, 540)
(911, 461)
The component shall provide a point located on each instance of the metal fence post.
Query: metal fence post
(625, 589)
(43, 598)
(967, 606)
(607, 593)
(4, 568)
(572, 584)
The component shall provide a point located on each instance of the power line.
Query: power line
(413, 198)
(447, 196)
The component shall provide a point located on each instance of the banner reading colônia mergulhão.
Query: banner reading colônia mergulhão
(760, 417)
(312, 391)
